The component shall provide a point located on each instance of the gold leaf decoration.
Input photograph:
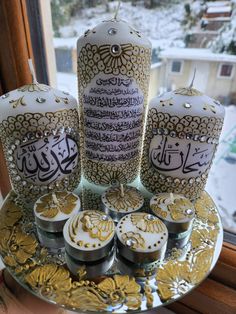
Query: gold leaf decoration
(10, 214)
(131, 198)
(158, 211)
(173, 279)
(122, 289)
(143, 223)
(136, 239)
(50, 206)
(203, 238)
(205, 209)
(94, 224)
(188, 91)
(201, 265)
(35, 87)
(49, 279)
(18, 102)
(18, 246)
(179, 209)
(148, 295)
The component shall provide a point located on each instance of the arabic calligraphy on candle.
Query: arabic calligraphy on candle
(177, 156)
(113, 119)
(43, 161)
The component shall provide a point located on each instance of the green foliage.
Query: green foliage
(63, 11)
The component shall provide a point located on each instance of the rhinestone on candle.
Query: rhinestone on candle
(40, 100)
(187, 105)
(115, 49)
(173, 134)
(130, 242)
(202, 138)
(112, 31)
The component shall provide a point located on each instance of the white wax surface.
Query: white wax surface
(75, 223)
(60, 216)
(152, 234)
(162, 200)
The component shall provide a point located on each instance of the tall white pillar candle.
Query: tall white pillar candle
(113, 76)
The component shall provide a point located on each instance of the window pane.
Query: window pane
(173, 28)
(176, 66)
(226, 70)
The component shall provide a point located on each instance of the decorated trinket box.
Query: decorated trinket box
(141, 238)
(89, 236)
(52, 210)
(176, 211)
(119, 201)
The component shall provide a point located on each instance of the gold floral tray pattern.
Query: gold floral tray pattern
(44, 272)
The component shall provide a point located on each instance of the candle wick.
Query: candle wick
(122, 190)
(172, 198)
(32, 71)
(55, 199)
(117, 10)
(194, 74)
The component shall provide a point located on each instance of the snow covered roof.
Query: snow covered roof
(196, 54)
(217, 3)
(223, 9)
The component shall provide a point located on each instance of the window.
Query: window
(226, 70)
(176, 66)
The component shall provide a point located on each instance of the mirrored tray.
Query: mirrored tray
(37, 260)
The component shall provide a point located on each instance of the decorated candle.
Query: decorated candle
(141, 237)
(121, 200)
(39, 132)
(182, 134)
(89, 236)
(113, 76)
(52, 210)
(176, 211)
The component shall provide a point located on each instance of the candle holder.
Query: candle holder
(141, 238)
(182, 134)
(113, 74)
(89, 236)
(40, 137)
(119, 201)
(176, 211)
(54, 209)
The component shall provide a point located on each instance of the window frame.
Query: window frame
(222, 77)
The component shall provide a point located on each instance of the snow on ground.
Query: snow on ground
(161, 25)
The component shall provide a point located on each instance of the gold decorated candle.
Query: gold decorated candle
(176, 211)
(142, 238)
(121, 200)
(40, 135)
(89, 236)
(182, 134)
(113, 75)
(52, 210)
